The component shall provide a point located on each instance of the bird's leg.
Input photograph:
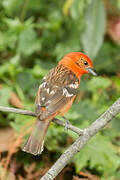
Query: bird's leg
(67, 122)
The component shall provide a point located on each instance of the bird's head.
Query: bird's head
(79, 63)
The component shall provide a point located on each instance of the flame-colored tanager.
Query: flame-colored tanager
(56, 94)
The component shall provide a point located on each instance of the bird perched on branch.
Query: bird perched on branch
(56, 94)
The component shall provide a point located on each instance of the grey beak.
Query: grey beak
(92, 71)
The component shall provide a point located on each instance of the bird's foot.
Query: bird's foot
(67, 122)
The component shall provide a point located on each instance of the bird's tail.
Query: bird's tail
(35, 142)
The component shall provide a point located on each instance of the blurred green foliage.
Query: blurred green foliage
(34, 35)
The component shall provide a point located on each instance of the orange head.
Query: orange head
(78, 63)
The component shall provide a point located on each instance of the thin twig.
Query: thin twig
(24, 9)
(69, 126)
(95, 127)
(18, 111)
(30, 113)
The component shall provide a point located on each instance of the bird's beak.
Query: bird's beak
(92, 71)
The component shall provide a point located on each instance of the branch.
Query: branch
(87, 134)
(30, 113)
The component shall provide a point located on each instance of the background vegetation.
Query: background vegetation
(34, 35)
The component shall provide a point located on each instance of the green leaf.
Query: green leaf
(28, 42)
(2, 41)
(12, 6)
(99, 154)
(98, 82)
(62, 49)
(27, 83)
(39, 71)
(93, 35)
(77, 9)
(21, 122)
(108, 54)
(117, 82)
(5, 96)
(24, 80)
(78, 114)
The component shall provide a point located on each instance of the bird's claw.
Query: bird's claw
(67, 122)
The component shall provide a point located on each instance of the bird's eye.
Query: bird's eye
(85, 63)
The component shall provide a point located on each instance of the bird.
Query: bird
(56, 95)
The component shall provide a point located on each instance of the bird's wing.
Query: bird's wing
(51, 99)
